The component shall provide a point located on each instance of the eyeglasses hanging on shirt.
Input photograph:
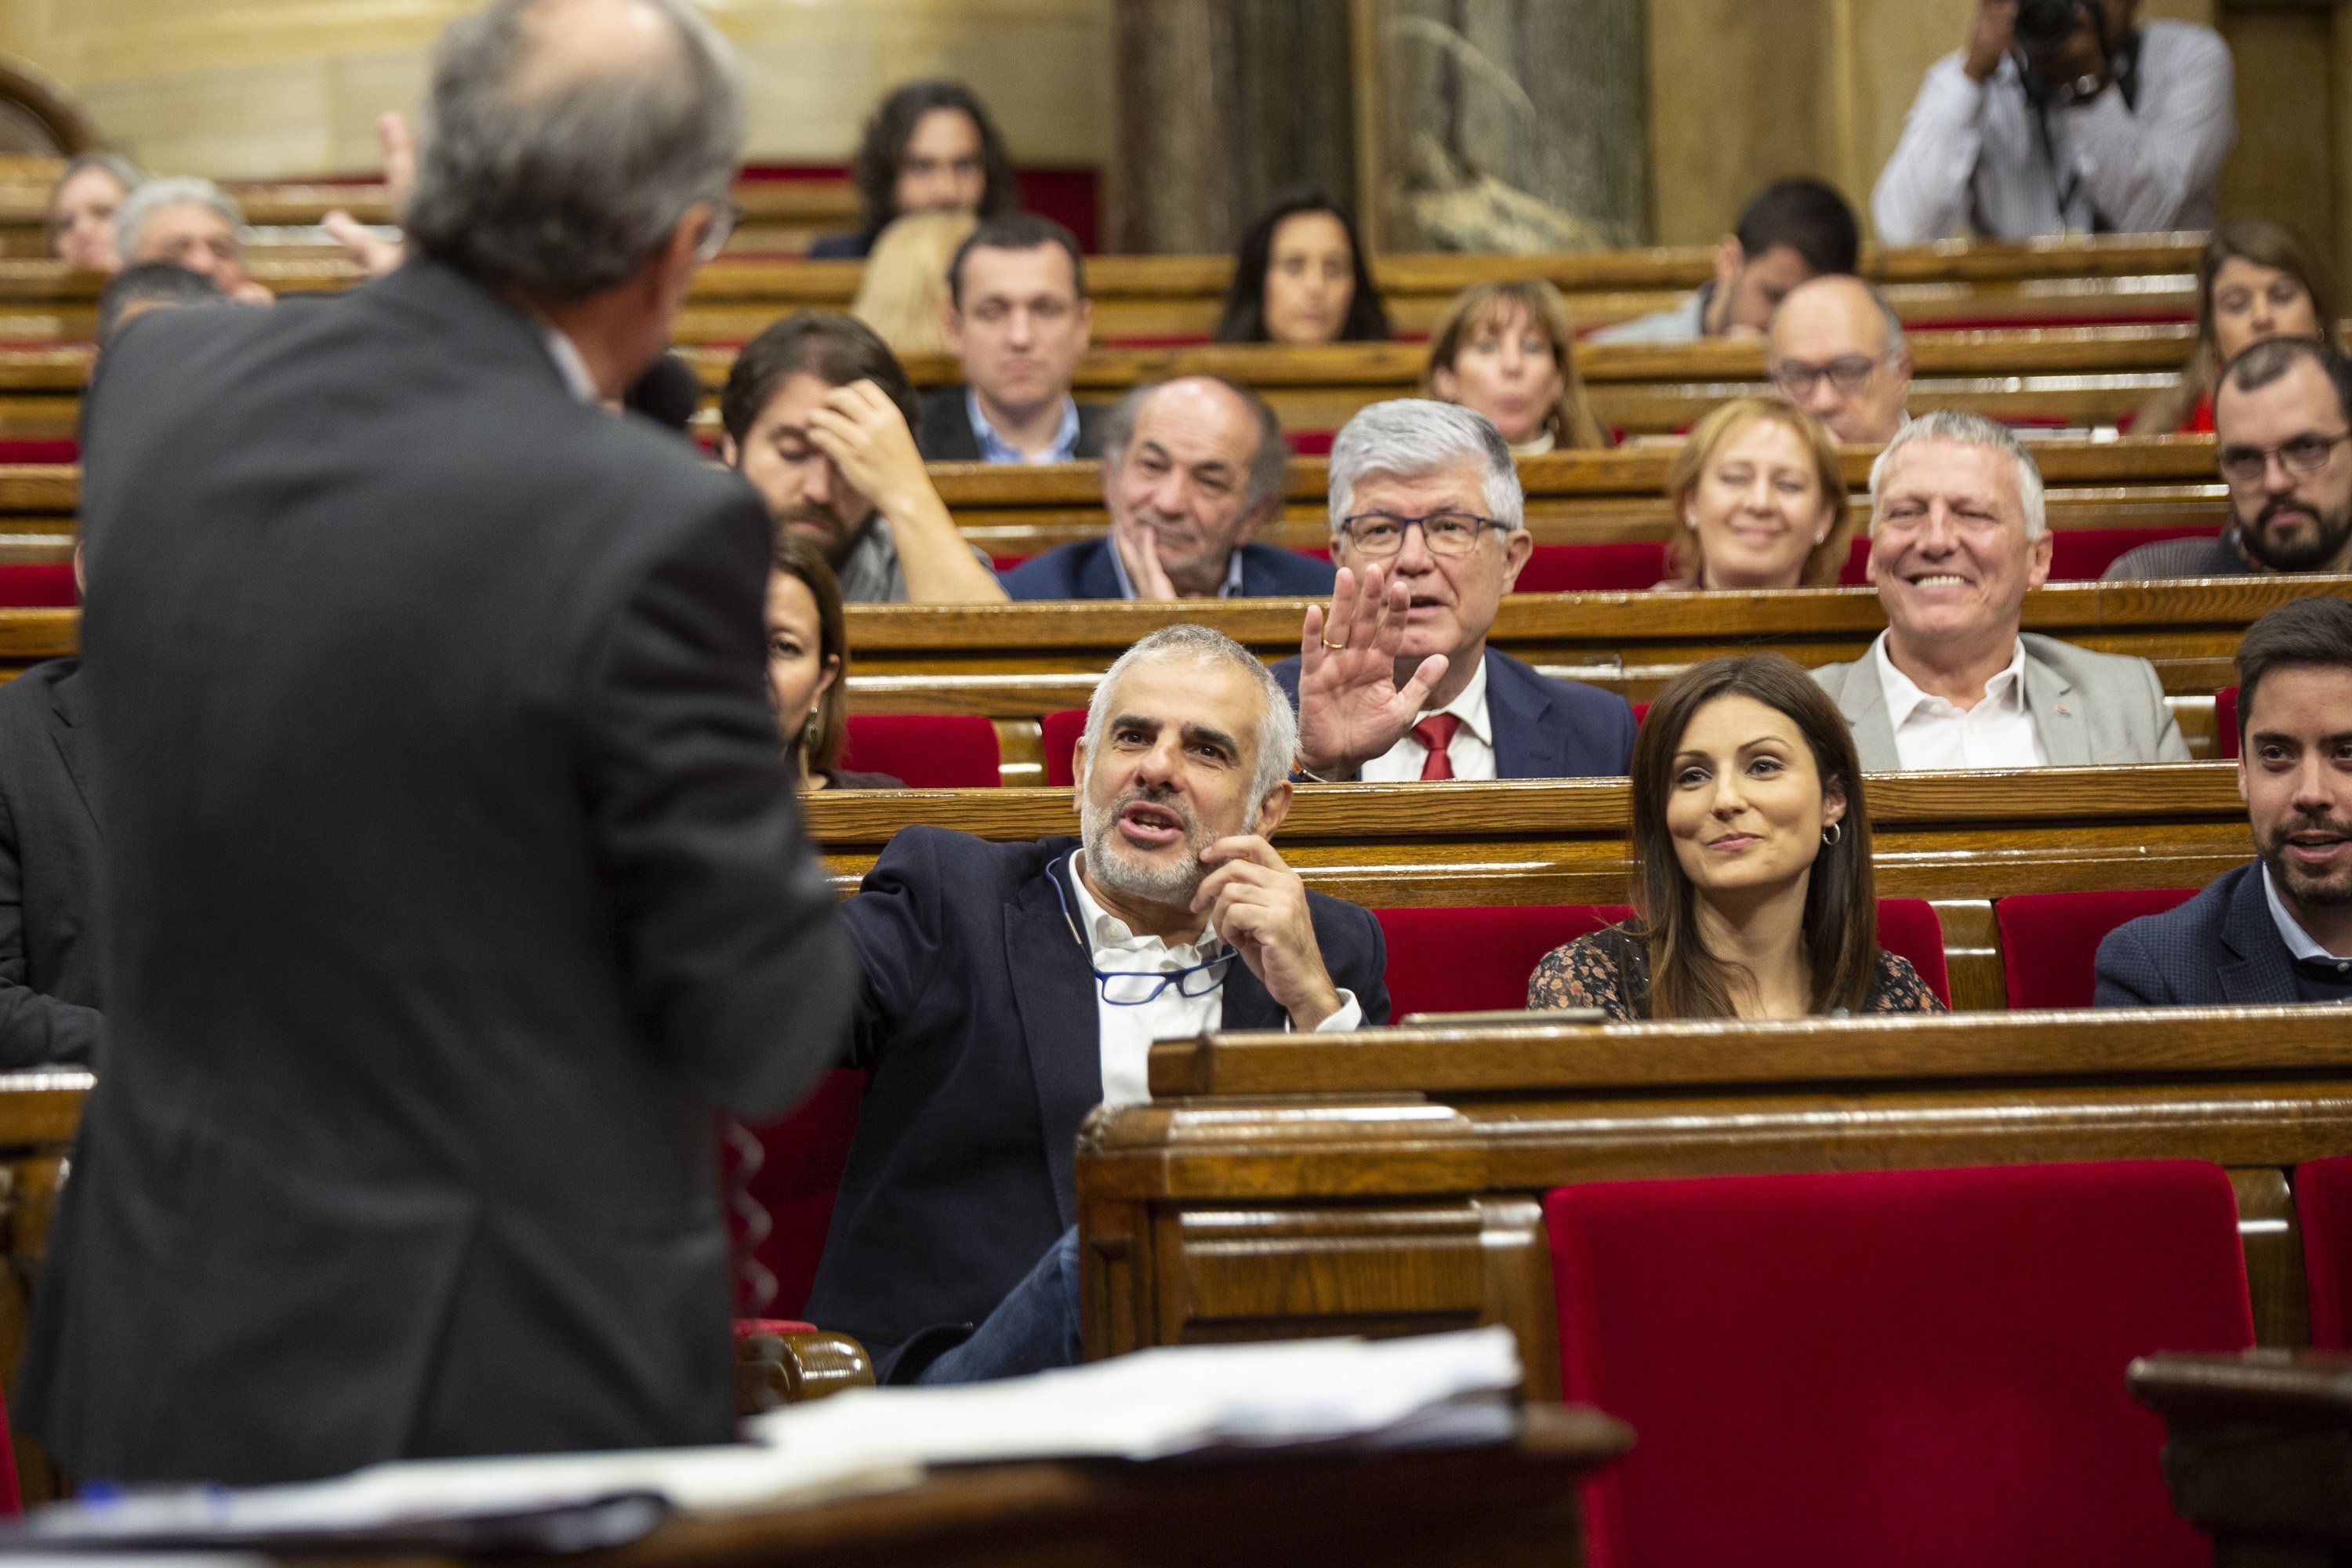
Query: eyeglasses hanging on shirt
(2042, 98)
(1140, 987)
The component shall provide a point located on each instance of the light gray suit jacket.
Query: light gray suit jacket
(2091, 709)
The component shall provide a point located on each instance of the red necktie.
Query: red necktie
(1437, 732)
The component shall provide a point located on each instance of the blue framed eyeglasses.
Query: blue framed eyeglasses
(1137, 987)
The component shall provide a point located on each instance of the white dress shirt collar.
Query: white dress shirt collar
(1472, 750)
(569, 365)
(1934, 732)
(1904, 696)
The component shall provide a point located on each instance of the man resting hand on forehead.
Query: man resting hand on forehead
(1011, 988)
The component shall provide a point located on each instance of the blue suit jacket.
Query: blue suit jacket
(1544, 729)
(978, 1026)
(2220, 948)
(1085, 571)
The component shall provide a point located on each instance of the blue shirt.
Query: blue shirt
(994, 449)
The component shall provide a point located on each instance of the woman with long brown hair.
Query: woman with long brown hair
(808, 666)
(1509, 351)
(1751, 864)
(2256, 279)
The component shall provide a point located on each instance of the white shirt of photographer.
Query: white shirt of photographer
(1127, 1032)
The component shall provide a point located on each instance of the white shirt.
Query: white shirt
(1472, 750)
(1931, 733)
(1127, 1032)
(569, 365)
(2298, 941)
(1972, 159)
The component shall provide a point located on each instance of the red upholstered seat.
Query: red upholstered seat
(1064, 729)
(801, 1158)
(2080, 554)
(2323, 1203)
(926, 750)
(12, 1502)
(746, 1327)
(1461, 959)
(2049, 941)
(1856, 570)
(2225, 719)
(28, 451)
(1923, 1367)
(1628, 567)
(37, 586)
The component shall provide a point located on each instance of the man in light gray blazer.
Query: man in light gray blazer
(1957, 539)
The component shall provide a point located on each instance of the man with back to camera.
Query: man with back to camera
(929, 146)
(1789, 231)
(2062, 117)
(1018, 319)
(1836, 348)
(1957, 538)
(2279, 929)
(2282, 443)
(452, 866)
(819, 416)
(1011, 988)
(1396, 681)
(1192, 469)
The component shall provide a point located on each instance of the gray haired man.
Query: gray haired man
(1957, 538)
(454, 870)
(193, 224)
(1396, 681)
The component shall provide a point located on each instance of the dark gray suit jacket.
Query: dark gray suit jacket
(452, 872)
(2220, 948)
(49, 992)
(947, 435)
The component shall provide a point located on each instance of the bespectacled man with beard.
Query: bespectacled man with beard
(2283, 439)
(2280, 928)
(819, 416)
(1011, 988)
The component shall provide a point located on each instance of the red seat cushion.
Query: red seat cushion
(1924, 1367)
(926, 750)
(2225, 721)
(1908, 928)
(2080, 554)
(1628, 567)
(1856, 573)
(746, 1327)
(2323, 1203)
(2049, 941)
(801, 1159)
(31, 451)
(37, 586)
(1064, 729)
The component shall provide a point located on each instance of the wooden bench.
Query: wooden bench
(1279, 1187)
(1959, 840)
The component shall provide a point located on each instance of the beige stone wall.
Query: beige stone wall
(259, 88)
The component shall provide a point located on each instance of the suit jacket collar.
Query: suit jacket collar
(1863, 700)
(2056, 708)
(1097, 571)
(472, 313)
(2263, 970)
(1529, 743)
(65, 699)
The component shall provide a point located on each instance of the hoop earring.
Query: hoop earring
(1833, 833)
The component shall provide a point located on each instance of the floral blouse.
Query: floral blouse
(1610, 970)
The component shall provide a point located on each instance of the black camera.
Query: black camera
(2044, 25)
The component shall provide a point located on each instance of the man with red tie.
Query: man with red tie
(1396, 682)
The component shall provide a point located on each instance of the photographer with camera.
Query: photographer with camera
(2062, 117)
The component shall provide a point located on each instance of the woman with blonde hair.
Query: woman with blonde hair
(1759, 500)
(2256, 279)
(1507, 350)
(904, 294)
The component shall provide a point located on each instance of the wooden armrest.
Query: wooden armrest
(789, 1368)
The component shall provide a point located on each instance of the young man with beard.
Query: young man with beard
(2279, 929)
(820, 418)
(2282, 434)
(1011, 988)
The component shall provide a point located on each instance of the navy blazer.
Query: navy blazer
(2220, 948)
(1085, 571)
(840, 247)
(1544, 729)
(978, 1031)
(945, 433)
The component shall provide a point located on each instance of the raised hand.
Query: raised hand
(1258, 905)
(863, 432)
(1990, 36)
(1351, 707)
(376, 254)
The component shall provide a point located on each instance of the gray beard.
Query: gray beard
(1160, 884)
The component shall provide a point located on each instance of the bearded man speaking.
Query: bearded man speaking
(1011, 988)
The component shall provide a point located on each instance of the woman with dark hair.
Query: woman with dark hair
(2256, 279)
(928, 147)
(1751, 864)
(808, 666)
(1301, 278)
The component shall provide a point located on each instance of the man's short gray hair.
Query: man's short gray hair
(1412, 436)
(1270, 464)
(1277, 732)
(1963, 430)
(143, 203)
(567, 187)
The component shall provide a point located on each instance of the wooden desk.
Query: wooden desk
(1393, 1182)
(2258, 1452)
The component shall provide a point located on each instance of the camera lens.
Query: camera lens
(2043, 26)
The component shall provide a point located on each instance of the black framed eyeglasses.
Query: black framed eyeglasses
(1444, 532)
(1848, 372)
(1140, 987)
(2305, 455)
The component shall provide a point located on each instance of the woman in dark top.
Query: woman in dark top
(1301, 278)
(808, 666)
(1751, 864)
